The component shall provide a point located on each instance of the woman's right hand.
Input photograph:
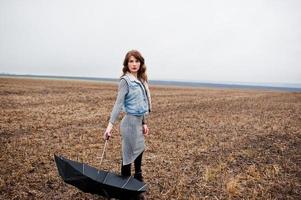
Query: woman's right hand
(107, 134)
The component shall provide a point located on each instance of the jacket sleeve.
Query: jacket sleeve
(144, 120)
(145, 116)
(123, 89)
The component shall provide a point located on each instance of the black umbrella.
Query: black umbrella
(90, 180)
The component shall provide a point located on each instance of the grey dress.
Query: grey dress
(130, 127)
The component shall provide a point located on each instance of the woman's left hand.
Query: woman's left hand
(145, 129)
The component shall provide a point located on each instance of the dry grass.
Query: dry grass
(204, 143)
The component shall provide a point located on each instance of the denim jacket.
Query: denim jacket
(137, 101)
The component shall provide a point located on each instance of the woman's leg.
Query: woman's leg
(138, 171)
(138, 174)
(125, 169)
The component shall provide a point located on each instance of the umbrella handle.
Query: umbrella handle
(103, 152)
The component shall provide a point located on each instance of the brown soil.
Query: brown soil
(204, 143)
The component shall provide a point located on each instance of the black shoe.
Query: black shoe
(142, 196)
(138, 176)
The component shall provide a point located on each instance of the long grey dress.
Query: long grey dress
(130, 127)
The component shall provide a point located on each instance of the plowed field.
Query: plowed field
(203, 143)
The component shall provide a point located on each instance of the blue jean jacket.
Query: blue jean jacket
(136, 101)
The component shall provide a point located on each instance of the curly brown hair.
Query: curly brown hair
(141, 75)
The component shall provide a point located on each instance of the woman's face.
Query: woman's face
(133, 64)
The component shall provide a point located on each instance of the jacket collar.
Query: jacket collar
(132, 77)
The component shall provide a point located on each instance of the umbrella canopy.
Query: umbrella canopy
(90, 180)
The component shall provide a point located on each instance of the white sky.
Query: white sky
(212, 40)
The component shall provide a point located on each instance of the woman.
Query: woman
(134, 99)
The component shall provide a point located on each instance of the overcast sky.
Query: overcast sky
(212, 40)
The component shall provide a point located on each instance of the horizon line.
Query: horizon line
(179, 82)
